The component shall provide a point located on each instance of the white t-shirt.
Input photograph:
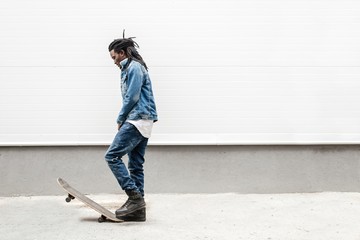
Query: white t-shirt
(144, 126)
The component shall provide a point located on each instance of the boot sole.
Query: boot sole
(138, 216)
(132, 211)
(132, 219)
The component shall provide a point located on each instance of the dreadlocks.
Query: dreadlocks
(129, 47)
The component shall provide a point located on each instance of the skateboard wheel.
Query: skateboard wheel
(69, 198)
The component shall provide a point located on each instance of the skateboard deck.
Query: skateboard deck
(73, 193)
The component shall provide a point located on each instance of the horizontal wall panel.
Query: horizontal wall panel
(223, 72)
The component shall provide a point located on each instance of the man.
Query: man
(134, 124)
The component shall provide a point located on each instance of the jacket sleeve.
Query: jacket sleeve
(132, 95)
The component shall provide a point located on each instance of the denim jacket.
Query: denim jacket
(137, 94)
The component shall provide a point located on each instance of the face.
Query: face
(117, 57)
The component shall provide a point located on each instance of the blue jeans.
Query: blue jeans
(128, 141)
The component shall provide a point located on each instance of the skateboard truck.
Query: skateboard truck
(102, 218)
(69, 198)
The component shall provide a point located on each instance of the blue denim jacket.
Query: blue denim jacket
(137, 94)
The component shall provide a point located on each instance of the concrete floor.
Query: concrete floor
(188, 216)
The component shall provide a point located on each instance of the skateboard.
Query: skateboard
(106, 215)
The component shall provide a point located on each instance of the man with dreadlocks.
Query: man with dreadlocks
(135, 121)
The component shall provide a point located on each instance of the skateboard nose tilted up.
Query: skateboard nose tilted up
(73, 193)
(132, 210)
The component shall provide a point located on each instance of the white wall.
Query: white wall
(224, 72)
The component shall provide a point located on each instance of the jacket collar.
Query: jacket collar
(123, 63)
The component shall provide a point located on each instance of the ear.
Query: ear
(122, 53)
